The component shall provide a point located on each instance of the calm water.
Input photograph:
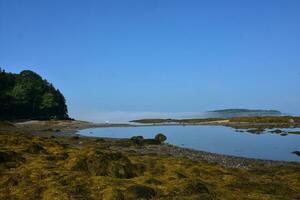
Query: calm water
(217, 139)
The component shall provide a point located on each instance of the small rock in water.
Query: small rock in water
(160, 137)
(277, 131)
(256, 131)
(296, 152)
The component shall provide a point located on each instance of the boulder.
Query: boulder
(140, 192)
(137, 139)
(153, 181)
(102, 163)
(195, 188)
(36, 149)
(160, 138)
(297, 153)
(112, 194)
(277, 131)
(10, 156)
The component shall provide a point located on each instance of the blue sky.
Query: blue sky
(158, 56)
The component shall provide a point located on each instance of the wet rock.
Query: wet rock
(140, 192)
(180, 175)
(10, 160)
(35, 149)
(99, 140)
(52, 130)
(277, 131)
(75, 137)
(195, 187)
(160, 137)
(153, 181)
(256, 131)
(112, 194)
(297, 153)
(101, 163)
(9, 156)
(137, 139)
(56, 157)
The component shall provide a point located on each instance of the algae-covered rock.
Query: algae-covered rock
(112, 194)
(153, 181)
(7, 156)
(195, 187)
(101, 163)
(140, 192)
(180, 175)
(160, 137)
(10, 159)
(57, 157)
(137, 139)
(36, 149)
(51, 193)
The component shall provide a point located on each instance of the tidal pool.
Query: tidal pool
(216, 139)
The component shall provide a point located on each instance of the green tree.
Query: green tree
(27, 95)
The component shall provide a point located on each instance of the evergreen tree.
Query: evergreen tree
(28, 96)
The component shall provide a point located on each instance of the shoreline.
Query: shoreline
(53, 159)
(69, 129)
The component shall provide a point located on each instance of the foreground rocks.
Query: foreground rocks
(65, 167)
(98, 162)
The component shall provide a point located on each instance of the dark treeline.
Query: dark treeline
(28, 96)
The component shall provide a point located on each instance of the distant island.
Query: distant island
(229, 113)
(226, 114)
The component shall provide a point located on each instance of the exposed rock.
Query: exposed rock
(153, 181)
(180, 175)
(137, 139)
(277, 131)
(9, 156)
(283, 134)
(140, 192)
(297, 153)
(101, 163)
(75, 137)
(197, 189)
(35, 149)
(112, 194)
(256, 131)
(160, 137)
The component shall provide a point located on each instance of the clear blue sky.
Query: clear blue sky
(158, 56)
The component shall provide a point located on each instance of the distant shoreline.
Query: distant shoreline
(236, 122)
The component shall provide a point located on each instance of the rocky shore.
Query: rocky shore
(66, 129)
(43, 160)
